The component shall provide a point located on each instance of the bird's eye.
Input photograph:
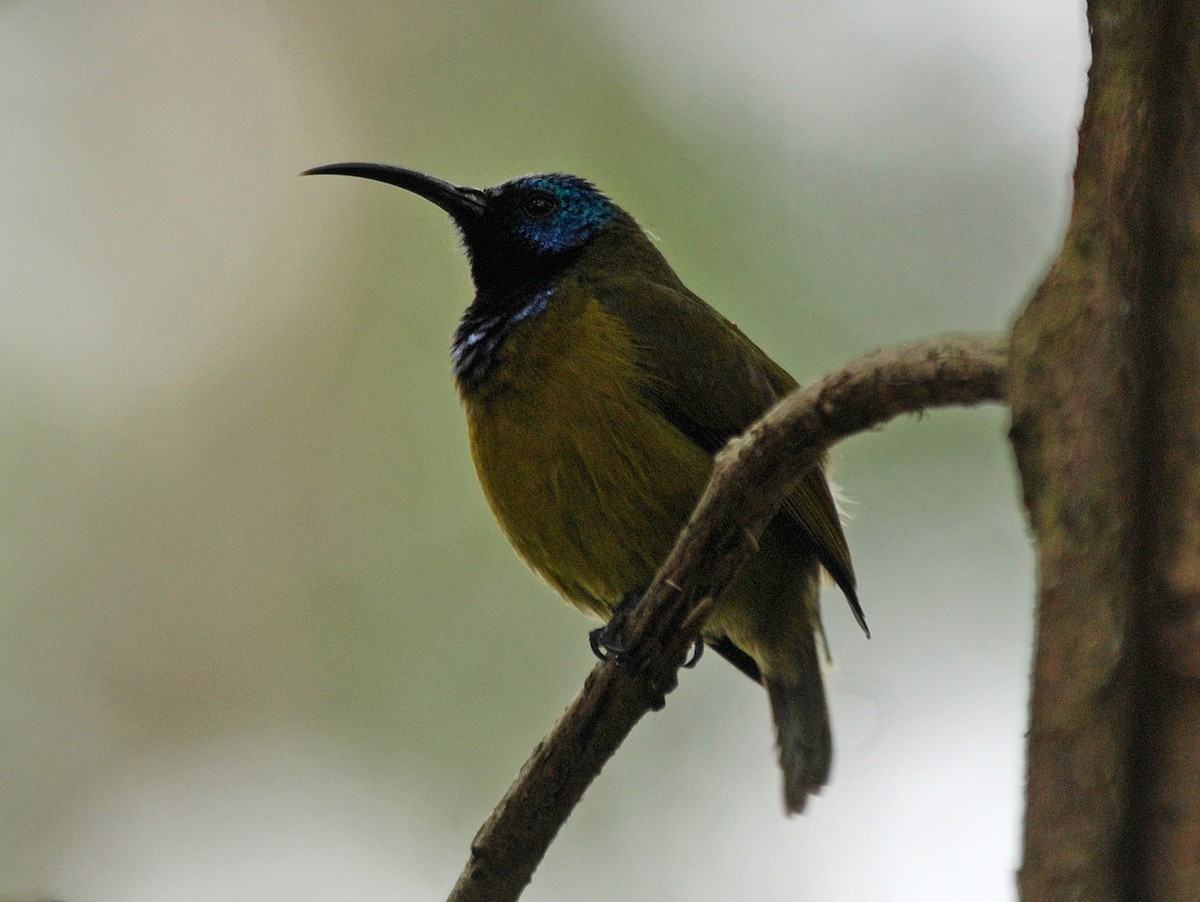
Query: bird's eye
(539, 206)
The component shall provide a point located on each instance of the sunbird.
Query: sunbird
(597, 389)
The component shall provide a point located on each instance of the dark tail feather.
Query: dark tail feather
(802, 727)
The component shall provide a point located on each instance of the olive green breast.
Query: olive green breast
(589, 482)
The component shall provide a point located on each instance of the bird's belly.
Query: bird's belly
(589, 483)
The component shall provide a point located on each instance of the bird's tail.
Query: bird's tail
(802, 728)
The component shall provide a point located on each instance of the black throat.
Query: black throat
(504, 298)
(481, 334)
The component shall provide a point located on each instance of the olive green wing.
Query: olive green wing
(711, 382)
(812, 507)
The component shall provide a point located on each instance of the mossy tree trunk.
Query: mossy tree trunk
(1105, 393)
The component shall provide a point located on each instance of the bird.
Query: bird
(597, 389)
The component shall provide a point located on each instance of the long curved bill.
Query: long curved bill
(463, 203)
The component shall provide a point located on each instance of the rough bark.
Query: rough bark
(1105, 394)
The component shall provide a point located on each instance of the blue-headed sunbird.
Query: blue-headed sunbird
(597, 389)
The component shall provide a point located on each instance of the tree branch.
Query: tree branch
(750, 478)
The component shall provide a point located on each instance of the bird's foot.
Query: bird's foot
(606, 642)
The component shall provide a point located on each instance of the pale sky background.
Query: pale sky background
(259, 636)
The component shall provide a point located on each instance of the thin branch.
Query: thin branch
(751, 477)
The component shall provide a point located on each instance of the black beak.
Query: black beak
(465, 205)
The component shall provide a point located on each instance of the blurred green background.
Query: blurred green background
(259, 636)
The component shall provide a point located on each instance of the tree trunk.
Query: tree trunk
(1105, 393)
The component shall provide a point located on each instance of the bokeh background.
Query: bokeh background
(259, 637)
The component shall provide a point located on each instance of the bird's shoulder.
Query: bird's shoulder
(700, 369)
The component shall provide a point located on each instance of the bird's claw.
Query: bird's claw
(605, 640)
(605, 645)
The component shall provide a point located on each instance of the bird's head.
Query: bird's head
(517, 234)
